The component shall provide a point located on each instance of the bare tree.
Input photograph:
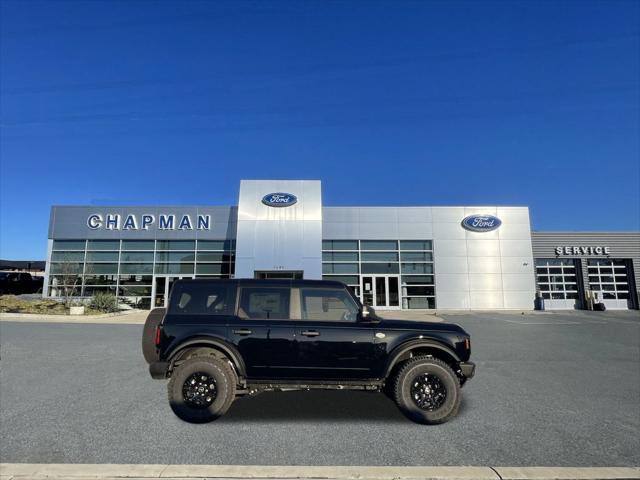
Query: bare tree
(67, 277)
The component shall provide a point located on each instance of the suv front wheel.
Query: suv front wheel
(427, 390)
(201, 389)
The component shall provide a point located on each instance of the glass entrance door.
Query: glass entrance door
(162, 288)
(381, 291)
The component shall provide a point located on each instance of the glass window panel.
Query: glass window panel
(609, 295)
(340, 245)
(621, 278)
(555, 270)
(340, 256)
(141, 303)
(544, 287)
(100, 279)
(417, 268)
(606, 279)
(139, 268)
(135, 279)
(417, 279)
(175, 256)
(57, 280)
(265, 302)
(608, 287)
(138, 244)
(102, 256)
(608, 271)
(141, 257)
(215, 245)
(128, 290)
(416, 245)
(339, 268)
(419, 302)
(68, 244)
(594, 286)
(90, 291)
(417, 256)
(557, 296)
(179, 268)
(380, 268)
(67, 256)
(378, 245)
(419, 291)
(346, 279)
(379, 257)
(66, 268)
(103, 245)
(556, 278)
(214, 257)
(543, 279)
(623, 295)
(213, 268)
(328, 305)
(176, 245)
(101, 268)
(572, 295)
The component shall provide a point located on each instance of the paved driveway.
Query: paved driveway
(551, 389)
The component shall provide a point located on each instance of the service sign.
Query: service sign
(481, 223)
(279, 199)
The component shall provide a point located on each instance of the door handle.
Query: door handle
(243, 331)
(310, 333)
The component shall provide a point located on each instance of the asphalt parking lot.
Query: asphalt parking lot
(551, 389)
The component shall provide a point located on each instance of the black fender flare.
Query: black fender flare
(218, 344)
(407, 346)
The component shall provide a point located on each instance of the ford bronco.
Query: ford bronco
(220, 339)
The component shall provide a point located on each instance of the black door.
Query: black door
(331, 343)
(262, 332)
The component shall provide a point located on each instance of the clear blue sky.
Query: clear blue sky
(388, 103)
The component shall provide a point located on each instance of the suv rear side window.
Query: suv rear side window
(207, 298)
(329, 305)
(258, 303)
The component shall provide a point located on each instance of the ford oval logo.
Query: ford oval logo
(481, 223)
(279, 199)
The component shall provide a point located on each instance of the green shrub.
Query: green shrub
(104, 302)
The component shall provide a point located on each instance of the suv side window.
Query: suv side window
(207, 298)
(264, 302)
(329, 305)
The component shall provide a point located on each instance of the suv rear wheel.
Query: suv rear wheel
(202, 389)
(427, 390)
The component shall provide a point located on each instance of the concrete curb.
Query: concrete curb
(24, 471)
(127, 317)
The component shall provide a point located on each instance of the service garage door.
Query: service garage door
(558, 283)
(609, 278)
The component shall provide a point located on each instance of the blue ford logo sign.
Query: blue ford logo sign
(481, 223)
(279, 199)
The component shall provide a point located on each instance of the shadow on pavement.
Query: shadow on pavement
(322, 406)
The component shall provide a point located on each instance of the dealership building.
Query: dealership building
(459, 258)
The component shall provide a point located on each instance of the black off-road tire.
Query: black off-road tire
(225, 383)
(149, 334)
(406, 377)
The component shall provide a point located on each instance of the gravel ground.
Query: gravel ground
(551, 389)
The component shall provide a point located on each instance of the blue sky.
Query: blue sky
(388, 103)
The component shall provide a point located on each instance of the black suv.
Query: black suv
(219, 339)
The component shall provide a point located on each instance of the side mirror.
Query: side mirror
(368, 314)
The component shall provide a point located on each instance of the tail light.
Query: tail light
(467, 344)
(158, 333)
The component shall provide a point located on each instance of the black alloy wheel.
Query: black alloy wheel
(428, 392)
(199, 390)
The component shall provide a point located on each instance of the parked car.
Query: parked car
(18, 283)
(219, 339)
